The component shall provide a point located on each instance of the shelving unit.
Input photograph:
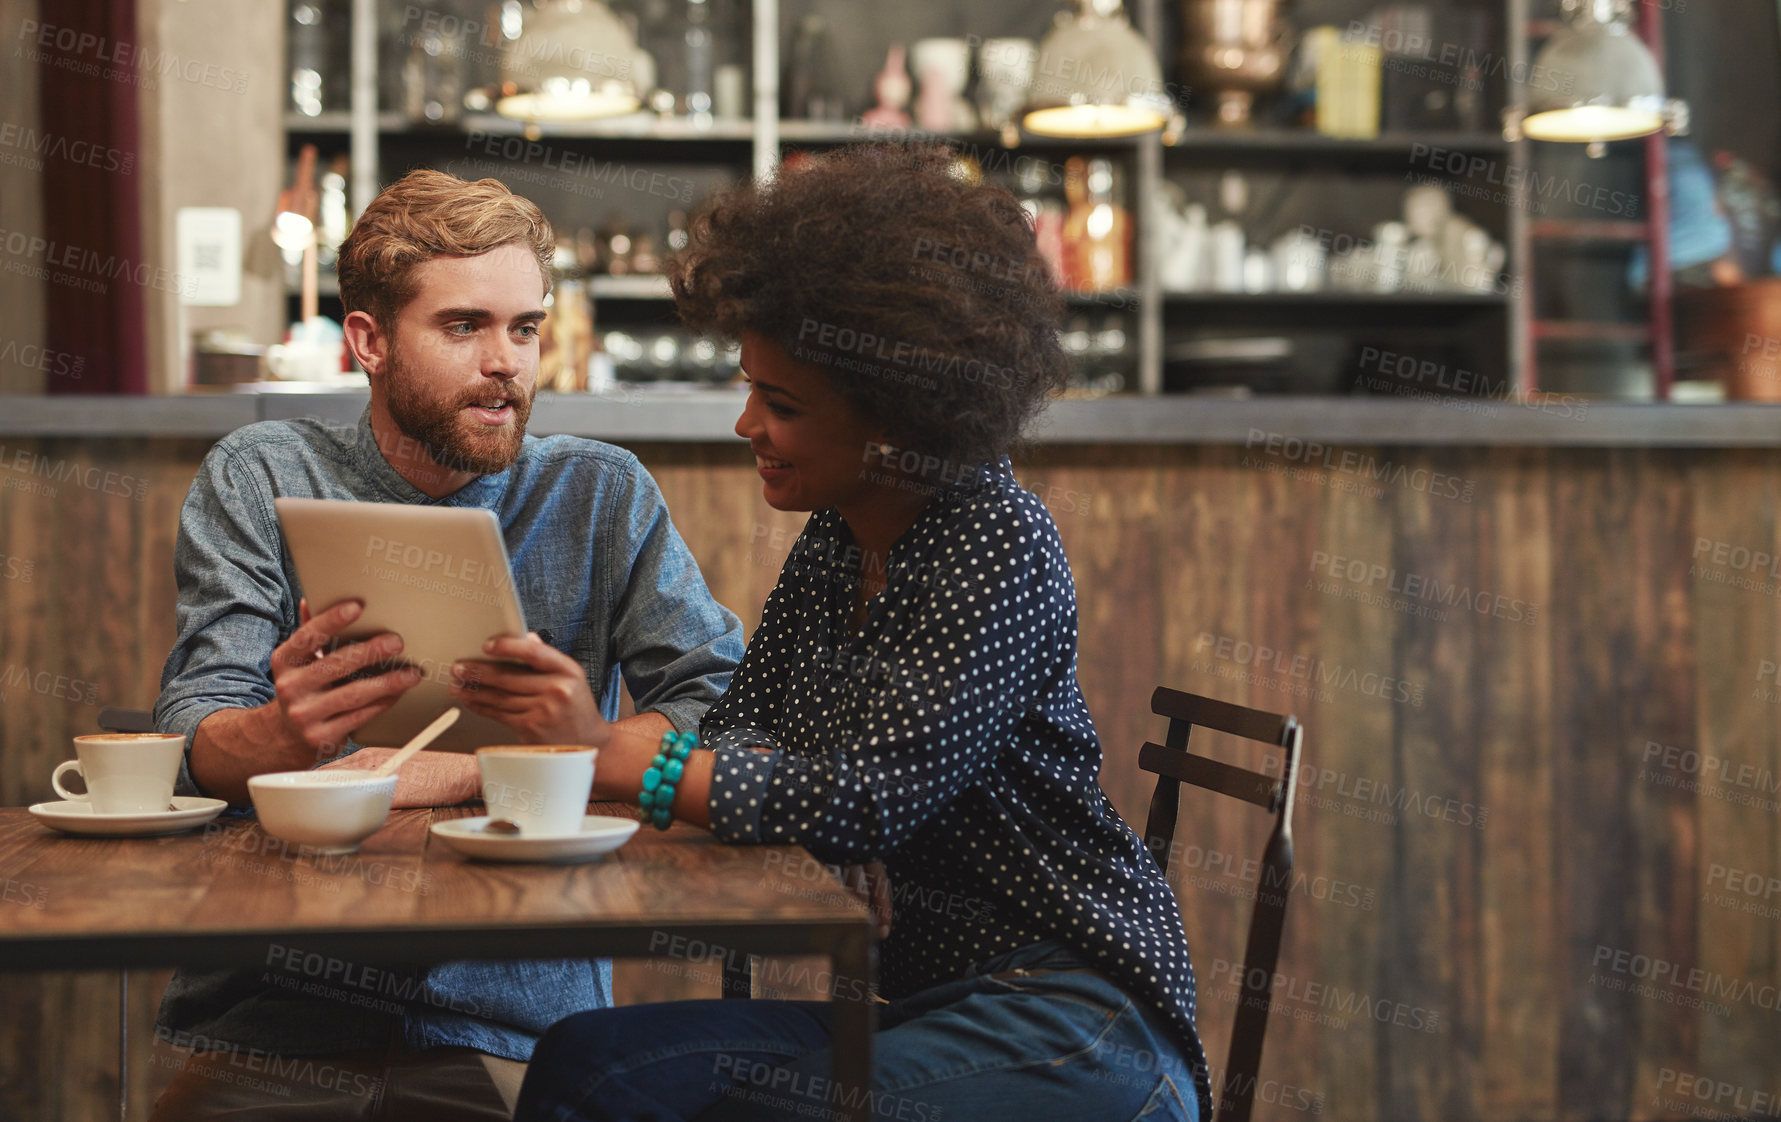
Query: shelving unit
(756, 145)
(1656, 334)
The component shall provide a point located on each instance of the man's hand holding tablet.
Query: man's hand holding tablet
(318, 701)
(323, 697)
(431, 780)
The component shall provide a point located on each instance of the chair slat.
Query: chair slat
(1241, 783)
(1221, 716)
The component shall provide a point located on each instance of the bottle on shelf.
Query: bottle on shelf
(1391, 242)
(334, 223)
(1177, 239)
(1109, 348)
(1191, 273)
(1299, 262)
(1046, 212)
(587, 250)
(645, 257)
(433, 76)
(1096, 348)
(566, 338)
(697, 101)
(1227, 242)
(726, 69)
(809, 87)
(1098, 229)
(1258, 270)
(614, 248)
(317, 57)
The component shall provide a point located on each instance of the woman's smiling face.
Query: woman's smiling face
(811, 444)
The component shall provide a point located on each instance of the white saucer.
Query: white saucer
(600, 833)
(72, 817)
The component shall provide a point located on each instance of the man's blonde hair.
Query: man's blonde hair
(428, 214)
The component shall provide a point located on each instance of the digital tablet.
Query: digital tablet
(436, 576)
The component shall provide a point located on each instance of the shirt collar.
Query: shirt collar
(482, 491)
(992, 474)
(946, 499)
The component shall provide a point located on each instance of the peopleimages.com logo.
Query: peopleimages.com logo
(1314, 672)
(1703, 1097)
(1362, 466)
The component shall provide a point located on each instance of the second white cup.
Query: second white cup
(543, 788)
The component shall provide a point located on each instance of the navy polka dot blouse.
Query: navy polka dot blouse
(949, 739)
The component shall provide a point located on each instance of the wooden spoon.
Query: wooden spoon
(421, 739)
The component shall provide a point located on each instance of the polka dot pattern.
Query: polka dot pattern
(949, 739)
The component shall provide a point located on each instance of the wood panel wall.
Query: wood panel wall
(1537, 841)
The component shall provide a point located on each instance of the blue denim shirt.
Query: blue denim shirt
(601, 574)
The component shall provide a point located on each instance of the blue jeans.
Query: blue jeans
(1051, 1041)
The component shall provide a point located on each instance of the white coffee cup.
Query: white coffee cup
(125, 772)
(542, 788)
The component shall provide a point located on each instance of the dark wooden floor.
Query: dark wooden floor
(1538, 827)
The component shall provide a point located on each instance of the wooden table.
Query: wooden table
(229, 894)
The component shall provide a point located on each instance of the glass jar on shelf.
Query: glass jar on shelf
(316, 45)
(1098, 228)
(566, 337)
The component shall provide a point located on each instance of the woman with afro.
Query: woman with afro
(909, 702)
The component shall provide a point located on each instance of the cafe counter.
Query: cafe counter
(698, 416)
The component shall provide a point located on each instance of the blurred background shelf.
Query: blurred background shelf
(631, 181)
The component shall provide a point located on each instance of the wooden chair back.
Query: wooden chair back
(1174, 764)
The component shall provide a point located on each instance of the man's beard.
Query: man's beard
(455, 442)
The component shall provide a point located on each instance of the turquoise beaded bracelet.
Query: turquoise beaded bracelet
(663, 776)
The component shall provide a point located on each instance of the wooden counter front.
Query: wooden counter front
(1540, 694)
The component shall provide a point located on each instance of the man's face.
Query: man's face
(462, 364)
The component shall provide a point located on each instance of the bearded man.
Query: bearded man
(443, 284)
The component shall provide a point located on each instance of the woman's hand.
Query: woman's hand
(871, 883)
(545, 699)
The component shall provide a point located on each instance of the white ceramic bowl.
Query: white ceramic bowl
(331, 811)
